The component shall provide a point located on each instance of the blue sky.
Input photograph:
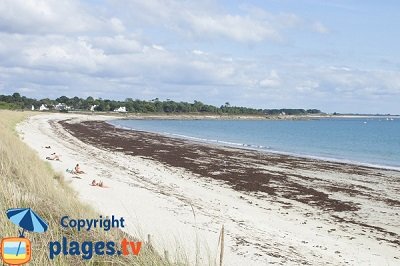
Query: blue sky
(337, 55)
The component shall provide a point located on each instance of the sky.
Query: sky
(334, 55)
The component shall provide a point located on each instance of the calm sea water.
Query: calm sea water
(374, 141)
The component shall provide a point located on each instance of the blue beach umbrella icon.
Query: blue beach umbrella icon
(28, 220)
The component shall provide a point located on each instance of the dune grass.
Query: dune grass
(26, 181)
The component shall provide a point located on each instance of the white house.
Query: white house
(43, 107)
(121, 109)
(62, 106)
(92, 107)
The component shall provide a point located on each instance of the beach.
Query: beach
(275, 209)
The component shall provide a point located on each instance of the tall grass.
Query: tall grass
(26, 181)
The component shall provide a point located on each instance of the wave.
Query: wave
(216, 141)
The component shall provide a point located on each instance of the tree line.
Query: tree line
(16, 101)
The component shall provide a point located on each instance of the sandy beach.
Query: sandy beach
(275, 209)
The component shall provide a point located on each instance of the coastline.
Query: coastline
(263, 149)
(311, 205)
(208, 116)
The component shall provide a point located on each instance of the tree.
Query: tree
(17, 101)
(90, 100)
(62, 99)
(197, 106)
(16, 96)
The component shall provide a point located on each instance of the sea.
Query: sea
(371, 141)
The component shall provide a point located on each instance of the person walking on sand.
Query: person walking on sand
(78, 169)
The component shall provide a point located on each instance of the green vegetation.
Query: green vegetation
(8, 106)
(16, 101)
(27, 181)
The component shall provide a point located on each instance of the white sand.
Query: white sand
(156, 199)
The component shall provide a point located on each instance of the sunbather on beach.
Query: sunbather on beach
(78, 169)
(94, 183)
(53, 157)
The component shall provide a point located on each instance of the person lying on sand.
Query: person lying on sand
(100, 184)
(78, 169)
(53, 157)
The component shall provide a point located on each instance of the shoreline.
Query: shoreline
(292, 211)
(157, 142)
(221, 143)
(211, 116)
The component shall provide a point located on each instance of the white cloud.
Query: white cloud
(205, 20)
(52, 17)
(236, 27)
(117, 25)
(272, 81)
(158, 47)
(51, 53)
(199, 52)
(25, 90)
(118, 44)
(307, 86)
(320, 28)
